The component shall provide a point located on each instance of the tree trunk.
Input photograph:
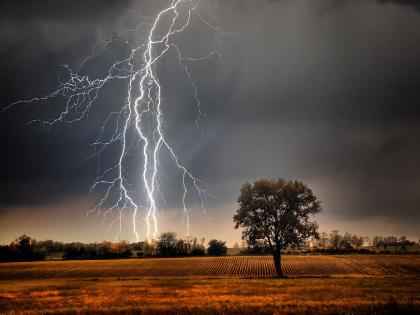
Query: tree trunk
(277, 263)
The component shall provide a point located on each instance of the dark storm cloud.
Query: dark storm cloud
(334, 5)
(23, 10)
(328, 98)
(40, 166)
(410, 3)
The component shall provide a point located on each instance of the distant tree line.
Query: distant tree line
(386, 243)
(348, 243)
(25, 248)
(168, 245)
(354, 243)
(334, 242)
(103, 250)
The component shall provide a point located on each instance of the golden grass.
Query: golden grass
(216, 296)
(122, 287)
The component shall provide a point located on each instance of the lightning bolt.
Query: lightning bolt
(138, 126)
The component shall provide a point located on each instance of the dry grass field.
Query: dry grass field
(347, 284)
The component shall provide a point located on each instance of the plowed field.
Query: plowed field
(218, 267)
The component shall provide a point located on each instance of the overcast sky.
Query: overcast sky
(326, 92)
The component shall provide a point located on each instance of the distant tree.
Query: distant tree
(258, 249)
(391, 239)
(149, 248)
(216, 248)
(357, 241)
(24, 244)
(24, 248)
(122, 250)
(137, 246)
(323, 239)
(335, 239)
(166, 245)
(50, 246)
(103, 250)
(346, 242)
(276, 214)
(403, 242)
(198, 248)
(182, 248)
(189, 244)
(73, 251)
(377, 241)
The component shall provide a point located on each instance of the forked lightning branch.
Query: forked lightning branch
(138, 124)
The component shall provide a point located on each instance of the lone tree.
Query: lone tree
(275, 213)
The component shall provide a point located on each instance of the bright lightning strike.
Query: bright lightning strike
(139, 122)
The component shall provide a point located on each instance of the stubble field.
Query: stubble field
(364, 284)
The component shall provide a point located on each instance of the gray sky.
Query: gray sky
(322, 91)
